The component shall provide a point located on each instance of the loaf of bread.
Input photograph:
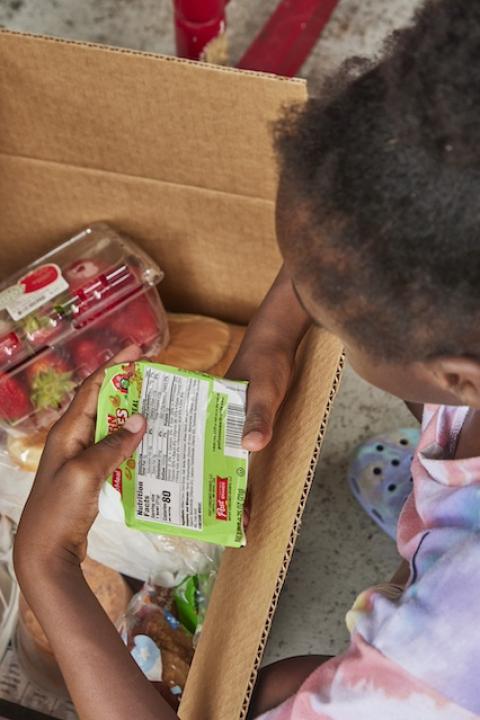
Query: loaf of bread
(196, 342)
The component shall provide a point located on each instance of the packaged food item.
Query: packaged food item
(160, 645)
(164, 560)
(66, 314)
(188, 476)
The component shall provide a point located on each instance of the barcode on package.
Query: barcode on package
(234, 422)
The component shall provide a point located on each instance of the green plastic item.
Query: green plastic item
(188, 476)
(186, 603)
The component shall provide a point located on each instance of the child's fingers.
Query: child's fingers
(263, 402)
(73, 432)
(98, 461)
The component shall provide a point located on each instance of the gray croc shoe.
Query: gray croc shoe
(379, 475)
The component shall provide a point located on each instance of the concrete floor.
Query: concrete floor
(340, 550)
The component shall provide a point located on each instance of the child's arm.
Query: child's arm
(266, 358)
(103, 679)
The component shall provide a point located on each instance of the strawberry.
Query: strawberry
(41, 329)
(14, 401)
(46, 362)
(80, 272)
(10, 346)
(50, 379)
(88, 353)
(97, 295)
(136, 321)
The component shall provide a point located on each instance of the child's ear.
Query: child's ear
(460, 376)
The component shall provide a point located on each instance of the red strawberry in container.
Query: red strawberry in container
(81, 272)
(86, 353)
(42, 329)
(92, 300)
(50, 380)
(135, 322)
(15, 401)
(90, 350)
(10, 347)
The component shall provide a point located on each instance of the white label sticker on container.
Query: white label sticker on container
(32, 291)
(170, 458)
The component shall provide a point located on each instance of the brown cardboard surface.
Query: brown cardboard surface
(140, 114)
(249, 582)
(207, 242)
(179, 156)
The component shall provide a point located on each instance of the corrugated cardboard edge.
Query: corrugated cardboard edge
(293, 535)
(249, 581)
(142, 53)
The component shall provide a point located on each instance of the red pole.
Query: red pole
(287, 38)
(197, 22)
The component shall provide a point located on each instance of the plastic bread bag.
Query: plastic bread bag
(160, 645)
(161, 628)
(188, 477)
(166, 561)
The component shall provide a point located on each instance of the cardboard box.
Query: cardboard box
(179, 156)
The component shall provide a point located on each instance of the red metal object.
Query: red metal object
(197, 22)
(287, 38)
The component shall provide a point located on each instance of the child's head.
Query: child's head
(379, 209)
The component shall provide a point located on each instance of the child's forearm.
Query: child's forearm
(280, 322)
(102, 677)
(266, 356)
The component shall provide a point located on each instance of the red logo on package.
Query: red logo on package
(117, 480)
(121, 382)
(222, 499)
(40, 278)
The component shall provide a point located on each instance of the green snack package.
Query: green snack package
(188, 476)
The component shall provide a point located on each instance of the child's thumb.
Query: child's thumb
(104, 457)
(258, 428)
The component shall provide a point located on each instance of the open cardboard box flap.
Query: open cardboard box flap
(179, 155)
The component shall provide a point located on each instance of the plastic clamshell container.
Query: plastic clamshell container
(66, 314)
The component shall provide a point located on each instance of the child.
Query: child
(378, 221)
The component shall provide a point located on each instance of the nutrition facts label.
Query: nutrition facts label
(170, 459)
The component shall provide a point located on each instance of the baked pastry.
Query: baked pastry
(196, 342)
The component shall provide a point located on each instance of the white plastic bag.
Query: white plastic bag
(164, 561)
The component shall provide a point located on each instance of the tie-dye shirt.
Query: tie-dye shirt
(415, 656)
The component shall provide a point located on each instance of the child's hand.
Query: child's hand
(64, 500)
(268, 371)
(266, 358)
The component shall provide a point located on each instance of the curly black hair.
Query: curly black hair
(387, 165)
